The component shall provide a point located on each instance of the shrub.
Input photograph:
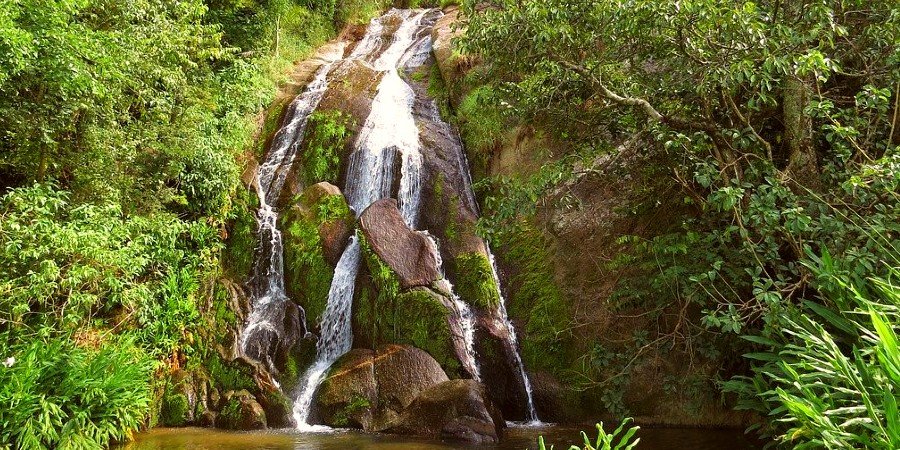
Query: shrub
(58, 395)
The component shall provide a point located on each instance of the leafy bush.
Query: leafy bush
(57, 395)
(832, 376)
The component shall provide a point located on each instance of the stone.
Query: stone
(345, 397)
(241, 411)
(454, 410)
(370, 389)
(410, 254)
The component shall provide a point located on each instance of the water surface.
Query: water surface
(513, 439)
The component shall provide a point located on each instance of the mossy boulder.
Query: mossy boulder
(315, 230)
(370, 389)
(454, 410)
(345, 396)
(184, 399)
(384, 313)
(241, 411)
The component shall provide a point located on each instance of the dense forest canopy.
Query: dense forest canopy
(125, 127)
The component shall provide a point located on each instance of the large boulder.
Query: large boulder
(454, 410)
(347, 396)
(370, 389)
(409, 253)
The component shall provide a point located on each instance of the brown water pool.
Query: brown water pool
(513, 439)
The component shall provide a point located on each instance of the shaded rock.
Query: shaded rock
(345, 399)
(370, 389)
(551, 400)
(506, 388)
(277, 408)
(410, 254)
(456, 410)
(207, 419)
(241, 411)
(401, 373)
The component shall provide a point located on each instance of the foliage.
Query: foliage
(832, 373)
(779, 122)
(59, 395)
(617, 440)
(328, 134)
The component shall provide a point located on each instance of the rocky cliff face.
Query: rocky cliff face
(566, 267)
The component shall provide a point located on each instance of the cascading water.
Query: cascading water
(264, 327)
(389, 130)
(462, 320)
(513, 342)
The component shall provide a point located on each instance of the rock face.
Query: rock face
(370, 389)
(410, 254)
(456, 410)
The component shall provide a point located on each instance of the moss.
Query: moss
(226, 377)
(475, 280)
(546, 343)
(328, 133)
(230, 415)
(356, 405)
(307, 273)
(240, 245)
(175, 409)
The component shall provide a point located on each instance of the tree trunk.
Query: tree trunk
(803, 163)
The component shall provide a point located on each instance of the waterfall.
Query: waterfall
(264, 327)
(388, 131)
(462, 320)
(388, 140)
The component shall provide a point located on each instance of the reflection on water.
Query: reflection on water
(513, 439)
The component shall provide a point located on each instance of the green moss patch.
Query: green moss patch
(475, 282)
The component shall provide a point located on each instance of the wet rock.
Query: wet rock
(346, 397)
(401, 373)
(277, 408)
(315, 231)
(408, 253)
(370, 389)
(455, 410)
(498, 370)
(241, 411)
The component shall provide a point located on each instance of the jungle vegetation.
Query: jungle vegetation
(779, 122)
(124, 126)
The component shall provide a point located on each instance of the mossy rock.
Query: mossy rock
(475, 281)
(176, 410)
(241, 411)
(385, 314)
(316, 226)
